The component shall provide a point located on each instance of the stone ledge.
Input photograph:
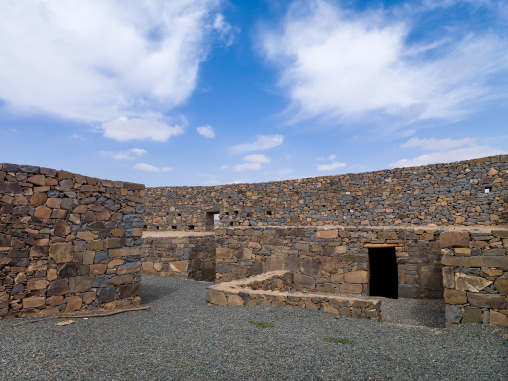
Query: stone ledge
(272, 288)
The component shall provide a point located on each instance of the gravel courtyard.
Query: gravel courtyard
(182, 338)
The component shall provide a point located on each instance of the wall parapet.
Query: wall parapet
(67, 242)
(471, 192)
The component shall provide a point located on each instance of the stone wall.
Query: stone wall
(475, 276)
(67, 242)
(273, 288)
(332, 259)
(190, 255)
(441, 194)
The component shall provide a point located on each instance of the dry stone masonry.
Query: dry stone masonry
(67, 242)
(463, 193)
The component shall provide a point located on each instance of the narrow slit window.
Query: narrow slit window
(488, 189)
(191, 227)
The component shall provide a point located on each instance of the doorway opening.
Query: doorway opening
(212, 220)
(384, 278)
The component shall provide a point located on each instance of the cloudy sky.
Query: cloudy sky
(205, 92)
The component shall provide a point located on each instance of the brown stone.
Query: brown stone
(34, 302)
(431, 279)
(54, 203)
(310, 266)
(328, 308)
(454, 239)
(37, 180)
(498, 318)
(124, 252)
(501, 284)
(303, 281)
(472, 315)
(89, 217)
(179, 266)
(122, 279)
(216, 297)
(130, 290)
(87, 236)
(448, 277)
(73, 304)
(274, 263)
(455, 297)
(56, 300)
(129, 268)
(114, 242)
(327, 234)
(89, 297)
(42, 212)
(235, 300)
(357, 277)
(57, 287)
(471, 282)
(37, 284)
(224, 253)
(61, 228)
(349, 288)
(80, 283)
(487, 300)
(98, 269)
(61, 252)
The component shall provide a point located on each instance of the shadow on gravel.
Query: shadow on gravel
(152, 292)
(429, 313)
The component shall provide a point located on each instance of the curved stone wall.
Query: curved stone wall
(67, 242)
(470, 192)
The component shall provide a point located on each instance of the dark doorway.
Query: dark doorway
(212, 220)
(384, 279)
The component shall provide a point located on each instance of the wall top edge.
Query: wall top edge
(492, 159)
(62, 175)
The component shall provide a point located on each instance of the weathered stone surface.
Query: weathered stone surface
(124, 252)
(37, 284)
(179, 266)
(453, 314)
(487, 300)
(327, 234)
(216, 297)
(80, 283)
(38, 199)
(501, 284)
(455, 296)
(73, 304)
(471, 282)
(274, 263)
(130, 290)
(347, 288)
(304, 281)
(454, 239)
(61, 252)
(448, 277)
(96, 245)
(310, 266)
(42, 212)
(498, 318)
(235, 300)
(357, 277)
(67, 270)
(34, 302)
(58, 287)
(472, 315)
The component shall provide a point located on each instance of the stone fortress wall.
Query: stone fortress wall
(67, 242)
(327, 232)
(441, 194)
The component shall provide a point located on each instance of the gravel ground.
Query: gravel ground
(185, 339)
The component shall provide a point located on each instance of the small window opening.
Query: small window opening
(179, 214)
(173, 227)
(488, 189)
(231, 223)
(191, 227)
(249, 214)
(212, 220)
(268, 212)
(226, 213)
(236, 211)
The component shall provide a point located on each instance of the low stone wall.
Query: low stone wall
(67, 242)
(332, 259)
(272, 289)
(475, 276)
(190, 255)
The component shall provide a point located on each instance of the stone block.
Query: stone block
(80, 283)
(216, 297)
(454, 239)
(310, 266)
(235, 300)
(448, 277)
(487, 300)
(498, 318)
(357, 277)
(411, 292)
(130, 290)
(128, 268)
(34, 302)
(501, 284)
(122, 279)
(431, 279)
(56, 300)
(97, 269)
(67, 270)
(224, 253)
(453, 314)
(455, 296)
(73, 304)
(341, 249)
(38, 199)
(349, 288)
(58, 287)
(95, 245)
(327, 234)
(330, 309)
(89, 297)
(304, 281)
(37, 284)
(472, 283)
(114, 243)
(42, 212)
(274, 263)
(500, 233)
(179, 266)
(124, 252)
(61, 252)
(472, 315)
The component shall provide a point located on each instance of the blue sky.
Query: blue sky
(212, 92)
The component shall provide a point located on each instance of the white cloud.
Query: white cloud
(252, 162)
(341, 66)
(98, 60)
(150, 168)
(445, 151)
(226, 32)
(130, 154)
(330, 167)
(223, 167)
(262, 142)
(331, 157)
(124, 129)
(207, 131)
